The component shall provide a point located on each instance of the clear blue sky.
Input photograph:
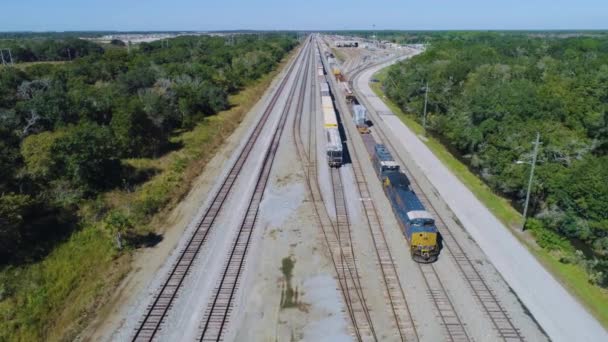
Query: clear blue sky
(65, 15)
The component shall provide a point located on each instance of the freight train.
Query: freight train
(417, 224)
(333, 147)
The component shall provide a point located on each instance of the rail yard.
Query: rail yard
(317, 225)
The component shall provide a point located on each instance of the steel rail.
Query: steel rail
(158, 310)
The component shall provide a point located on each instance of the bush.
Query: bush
(547, 238)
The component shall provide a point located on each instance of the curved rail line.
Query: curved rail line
(454, 328)
(394, 290)
(394, 293)
(485, 296)
(157, 311)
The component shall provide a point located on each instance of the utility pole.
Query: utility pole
(534, 155)
(69, 54)
(9, 59)
(10, 55)
(426, 99)
(374, 33)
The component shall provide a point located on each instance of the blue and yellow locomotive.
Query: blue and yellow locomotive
(417, 224)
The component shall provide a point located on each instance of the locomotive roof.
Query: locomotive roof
(383, 153)
(389, 163)
(418, 214)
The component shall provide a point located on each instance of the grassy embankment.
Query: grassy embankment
(52, 300)
(572, 276)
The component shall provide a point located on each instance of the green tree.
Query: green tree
(87, 157)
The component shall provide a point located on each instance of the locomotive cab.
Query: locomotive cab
(423, 236)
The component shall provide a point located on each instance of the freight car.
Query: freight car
(348, 94)
(325, 90)
(360, 119)
(330, 125)
(417, 224)
(334, 147)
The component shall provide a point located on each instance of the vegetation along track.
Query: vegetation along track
(361, 326)
(485, 296)
(217, 314)
(157, 311)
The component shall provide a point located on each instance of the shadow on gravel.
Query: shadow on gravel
(147, 240)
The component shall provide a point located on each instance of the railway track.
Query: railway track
(347, 266)
(157, 311)
(394, 292)
(454, 329)
(361, 328)
(393, 289)
(484, 295)
(220, 307)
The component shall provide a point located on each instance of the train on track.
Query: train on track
(330, 126)
(360, 119)
(416, 223)
(348, 94)
(333, 140)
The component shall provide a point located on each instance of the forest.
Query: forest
(490, 93)
(95, 148)
(65, 128)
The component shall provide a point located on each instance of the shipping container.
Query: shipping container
(326, 102)
(360, 115)
(329, 118)
(324, 89)
(360, 119)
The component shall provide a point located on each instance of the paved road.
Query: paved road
(561, 315)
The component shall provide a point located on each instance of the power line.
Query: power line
(426, 98)
(534, 155)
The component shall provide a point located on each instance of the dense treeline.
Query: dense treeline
(421, 37)
(44, 50)
(491, 93)
(65, 128)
